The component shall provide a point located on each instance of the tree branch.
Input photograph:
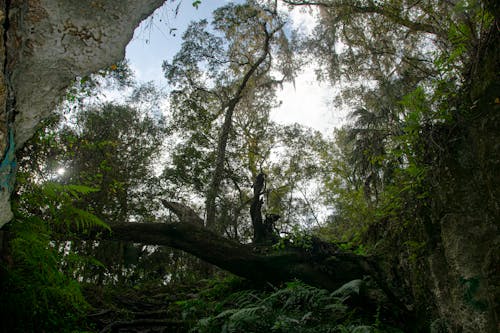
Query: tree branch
(226, 127)
(325, 266)
(322, 264)
(183, 212)
(373, 9)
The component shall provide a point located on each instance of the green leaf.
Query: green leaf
(349, 289)
(196, 3)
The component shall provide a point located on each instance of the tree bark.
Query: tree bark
(323, 266)
(320, 264)
(263, 230)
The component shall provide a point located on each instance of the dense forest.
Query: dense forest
(202, 214)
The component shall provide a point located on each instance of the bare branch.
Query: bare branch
(183, 212)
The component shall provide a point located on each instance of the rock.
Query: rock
(48, 43)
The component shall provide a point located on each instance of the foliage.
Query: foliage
(296, 307)
(196, 3)
(37, 295)
(215, 79)
(110, 148)
(405, 65)
(38, 291)
(225, 80)
(56, 202)
(99, 167)
(298, 238)
(381, 174)
(117, 75)
(113, 148)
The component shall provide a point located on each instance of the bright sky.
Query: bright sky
(307, 102)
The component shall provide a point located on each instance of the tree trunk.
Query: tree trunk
(230, 107)
(323, 265)
(263, 230)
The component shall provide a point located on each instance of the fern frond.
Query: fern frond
(243, 298)
(78, 190)
(56, 191)
(226, 313)
(85, 220)
(245, 317)
(349, 289)
(246, 314)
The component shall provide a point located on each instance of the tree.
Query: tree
(238, 68)
(435, 52)
(450, 244)
(391, 35)
(318, 263)
(374, 136)
(254, 144)
(113, 148)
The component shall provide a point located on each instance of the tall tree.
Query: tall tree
(214, 73)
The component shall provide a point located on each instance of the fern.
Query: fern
(59, 205)
(245, 318)
(226, 314)
(57, 191)
(37, 293)
(349, 289)
(78, 190)
(85, 220)
(243, 298)
(296, 308)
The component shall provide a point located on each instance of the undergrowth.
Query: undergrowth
(39, 293)
(296, 307)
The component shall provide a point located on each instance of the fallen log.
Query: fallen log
(322, 264)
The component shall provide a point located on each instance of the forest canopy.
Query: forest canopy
(192, 210)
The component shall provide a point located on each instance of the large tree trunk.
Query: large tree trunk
(323, 265)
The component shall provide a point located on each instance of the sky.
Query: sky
(158, 38)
